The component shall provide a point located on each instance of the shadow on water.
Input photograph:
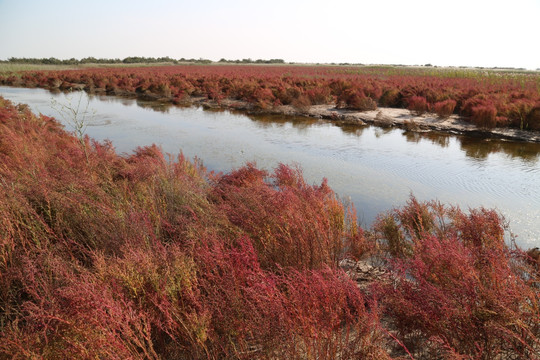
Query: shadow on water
(161, 107)
(473, 147)
(353, 130)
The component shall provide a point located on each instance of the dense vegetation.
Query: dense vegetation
(488, 99)
(134, 257)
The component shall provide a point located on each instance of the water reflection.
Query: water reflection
(473, 147)
(352, 130)
(440, 139)
(266, 121)
(156, 106)
(478, 148)
(481, 149)
(382, 131)
(163, 107)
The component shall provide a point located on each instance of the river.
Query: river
(373, 167)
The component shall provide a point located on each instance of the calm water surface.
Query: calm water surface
(376, 168)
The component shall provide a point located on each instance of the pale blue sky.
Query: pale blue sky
(457, 32)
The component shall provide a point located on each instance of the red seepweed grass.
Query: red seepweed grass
(137, 257)
(457, 290)
(291, 224)
(487, 99)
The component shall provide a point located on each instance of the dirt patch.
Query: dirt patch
(363, 273)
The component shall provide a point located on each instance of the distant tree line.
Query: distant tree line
(93, 60)
(250, 61)
(131, 60)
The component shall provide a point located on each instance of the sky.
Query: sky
(411, 32)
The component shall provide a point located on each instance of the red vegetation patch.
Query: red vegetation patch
(112, 257)
(355, 99)
(444, 108)
(417, 104)
(484, 116)
(533, 118)
(457, 290)
(513, 96)
(291, 224)
(127, 258)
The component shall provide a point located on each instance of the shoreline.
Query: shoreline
(382, 116)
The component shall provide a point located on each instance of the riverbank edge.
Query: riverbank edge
(382, 116)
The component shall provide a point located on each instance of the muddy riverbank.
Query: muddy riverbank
(382, 116)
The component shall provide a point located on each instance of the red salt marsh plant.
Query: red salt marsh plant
(290, 222)
(484, 116)
(533, 118)
(444, 108)
(294, 314)
(356, 100)
(135, 257)
(417, 104)
(513, 95)
(457, 290)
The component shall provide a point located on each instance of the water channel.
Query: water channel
(375, 168)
